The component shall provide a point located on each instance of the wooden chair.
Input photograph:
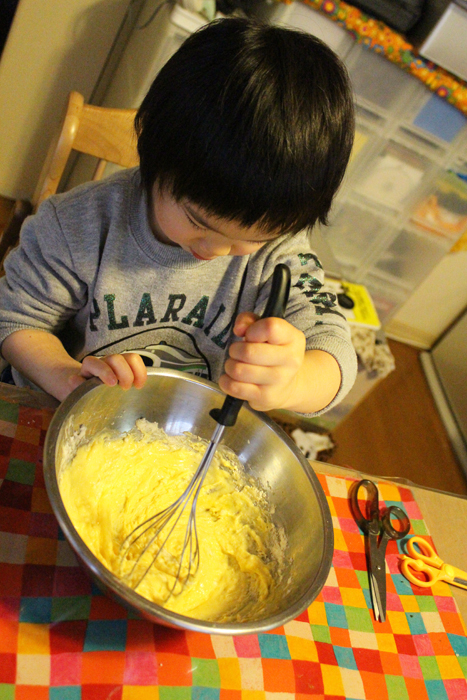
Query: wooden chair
(10, 236)
(102, 132)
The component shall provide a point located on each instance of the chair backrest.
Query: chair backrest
(103, 132)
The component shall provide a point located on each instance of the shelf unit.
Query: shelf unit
(404, 200)
(402, 204)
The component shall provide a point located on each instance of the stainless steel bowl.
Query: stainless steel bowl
(180, 402)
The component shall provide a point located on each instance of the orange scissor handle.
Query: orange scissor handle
(425, 552)
(425, 560)
(411, 566)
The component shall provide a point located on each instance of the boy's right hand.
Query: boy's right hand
(40, 357)
(126, 370)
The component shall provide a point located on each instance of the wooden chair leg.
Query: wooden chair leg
(10, 236)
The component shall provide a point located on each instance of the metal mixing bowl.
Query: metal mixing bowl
(180, 402)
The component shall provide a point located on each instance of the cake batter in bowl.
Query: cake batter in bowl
(180, 403)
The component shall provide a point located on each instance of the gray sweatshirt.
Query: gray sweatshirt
(89, 270)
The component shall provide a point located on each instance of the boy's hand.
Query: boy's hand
(41, 358)
(126, 370)
(264, 368)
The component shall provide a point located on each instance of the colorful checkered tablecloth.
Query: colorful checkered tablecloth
(61, 639)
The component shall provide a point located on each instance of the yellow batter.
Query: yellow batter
(115, 483)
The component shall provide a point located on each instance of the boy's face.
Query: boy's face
(206, 237)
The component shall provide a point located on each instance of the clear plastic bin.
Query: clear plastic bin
(410, 257)
(378, 83)
(355, 232)
(393, 176)
(462, 150)
(387, 297)
(300, 16)
(370, 119)
(366, 142)
(361, 139)
(459, 167)
(350, 273)
(421, 143)
(432, 116)
(443, 210)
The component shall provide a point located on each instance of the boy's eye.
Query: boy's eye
(258, 243)
(193, 223)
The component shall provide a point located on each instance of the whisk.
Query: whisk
(162, 524)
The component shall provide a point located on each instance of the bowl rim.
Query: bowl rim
(128, 596)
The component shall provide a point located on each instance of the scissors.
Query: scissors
(378, 527)
(425, 560)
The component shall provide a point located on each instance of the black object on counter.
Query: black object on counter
(401, 15)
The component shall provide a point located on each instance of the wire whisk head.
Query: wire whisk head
(149, 542)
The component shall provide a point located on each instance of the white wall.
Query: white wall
(54, 46)
(434, 305)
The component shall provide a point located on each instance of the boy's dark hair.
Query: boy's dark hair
(251, 122)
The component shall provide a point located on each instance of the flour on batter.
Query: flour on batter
(115, 483)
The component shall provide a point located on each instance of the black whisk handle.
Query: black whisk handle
(279, 294)
(227, 414)
(275, 307)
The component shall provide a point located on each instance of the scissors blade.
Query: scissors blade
(460, 581)
(378, 576)
(375, 598)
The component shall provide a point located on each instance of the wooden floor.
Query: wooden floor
(396, 431)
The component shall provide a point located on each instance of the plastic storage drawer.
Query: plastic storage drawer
(387, 297)
(443, 210)
(378, 83)
(410, 257)
(356, 233)
(392, 178)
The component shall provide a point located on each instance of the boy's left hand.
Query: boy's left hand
(264, 367)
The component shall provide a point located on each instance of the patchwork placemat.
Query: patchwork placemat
(61, 639)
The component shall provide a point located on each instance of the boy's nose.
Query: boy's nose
(211, 247)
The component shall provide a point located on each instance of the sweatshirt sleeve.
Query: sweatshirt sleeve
(40, 289)
(314, 312)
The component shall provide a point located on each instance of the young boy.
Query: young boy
(243, 140)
